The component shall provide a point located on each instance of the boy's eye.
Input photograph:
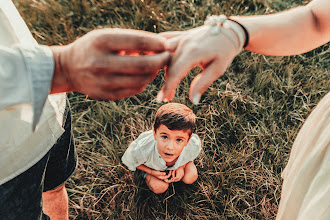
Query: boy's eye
(179, 140)
(164, 137)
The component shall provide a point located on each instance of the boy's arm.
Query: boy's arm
(159, 174)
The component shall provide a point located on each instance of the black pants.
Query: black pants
(21, 197)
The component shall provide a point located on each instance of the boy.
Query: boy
(166, 153)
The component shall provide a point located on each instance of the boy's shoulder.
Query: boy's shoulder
(195, 141)
(145, 142)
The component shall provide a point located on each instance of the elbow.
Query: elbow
(319, 17)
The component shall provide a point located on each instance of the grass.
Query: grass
(247, 120)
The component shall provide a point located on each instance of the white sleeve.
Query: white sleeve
(130, 158)
(25, 76)
(139, 150)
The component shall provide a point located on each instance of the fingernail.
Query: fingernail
(196, 98)
(165, 100)
(160, 96)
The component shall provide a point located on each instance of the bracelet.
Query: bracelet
(245, 31)
(218, 22)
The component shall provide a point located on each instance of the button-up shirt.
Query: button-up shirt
(144, 151)
(30, 120)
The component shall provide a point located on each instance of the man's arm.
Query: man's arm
(91, 65)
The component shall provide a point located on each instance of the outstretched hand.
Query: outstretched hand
(198, 47)
(101, 65)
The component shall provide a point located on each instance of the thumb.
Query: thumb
(171, 34)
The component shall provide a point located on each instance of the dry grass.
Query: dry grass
(247, 120)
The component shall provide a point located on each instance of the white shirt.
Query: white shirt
(26, 71)
(144, 151)
(306, 186)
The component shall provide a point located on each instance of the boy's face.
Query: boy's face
(170, 143)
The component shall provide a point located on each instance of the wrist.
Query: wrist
(60, 82)
(218, 23)
(241, 26)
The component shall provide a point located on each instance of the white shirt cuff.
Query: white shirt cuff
(40, 65)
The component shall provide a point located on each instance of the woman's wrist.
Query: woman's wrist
(218, 23)
(246, 33)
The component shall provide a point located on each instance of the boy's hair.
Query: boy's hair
(175, 116)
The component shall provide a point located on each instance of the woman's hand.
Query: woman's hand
(213, 52)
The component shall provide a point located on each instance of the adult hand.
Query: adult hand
(101, 65)
(198, 47)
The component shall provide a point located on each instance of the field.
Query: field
(247, 120)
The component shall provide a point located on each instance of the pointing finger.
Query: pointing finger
(114, 39)
(202, 81)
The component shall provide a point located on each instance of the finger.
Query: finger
(160, 173)
(168, 175)
(176, 179)
(202, 81)
(176, 71)
(174, 173)
(126, 39)
(173, 43)
(114, 94)
(171, 34)
(132, 64)
(125, 82)
(117, 81)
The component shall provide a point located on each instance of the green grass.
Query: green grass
(247, 119)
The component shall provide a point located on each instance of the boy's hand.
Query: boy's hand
(160, 175)
(177, 175)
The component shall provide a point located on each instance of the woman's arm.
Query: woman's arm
(295, 31)
(291, 32)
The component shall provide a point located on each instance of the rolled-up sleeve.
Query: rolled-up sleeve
(25, 76)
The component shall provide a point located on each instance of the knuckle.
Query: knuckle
(96, 66)
(142, 43)
(193, 48)
(146, 67)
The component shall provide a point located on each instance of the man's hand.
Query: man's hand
(97, 65)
